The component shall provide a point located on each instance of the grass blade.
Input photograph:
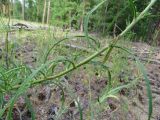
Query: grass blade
(112, 93)
(143, 71)
(30, 107)
(133, 8)
(86, 20)
(149, 92)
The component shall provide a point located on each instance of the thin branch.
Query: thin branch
(107, 47)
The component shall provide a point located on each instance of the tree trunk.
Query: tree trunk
(44, 12)
(82, 18)
(38, 7)
(23, 10)
(81, 25)
(158, 34)
(70, 23)
(1, 8)
(12, 8)
(48, 13)
(4, 9)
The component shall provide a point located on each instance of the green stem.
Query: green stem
(100, 51)
(135, 20)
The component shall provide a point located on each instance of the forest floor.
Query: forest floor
(131, 105)
(46, 99)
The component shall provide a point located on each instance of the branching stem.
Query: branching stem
(107, 47)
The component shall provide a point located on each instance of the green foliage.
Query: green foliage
(18, 79)
(66, 13)
(108, 20)
(31, 11)
(17, 9)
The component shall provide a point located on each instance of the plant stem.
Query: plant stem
(98, 52)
